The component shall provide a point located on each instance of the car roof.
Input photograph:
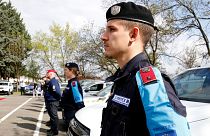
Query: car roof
(4, 81)
(195, 68)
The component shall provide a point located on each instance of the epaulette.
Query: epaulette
(147, 74)
(73, 83)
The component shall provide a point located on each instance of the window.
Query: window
(96, 87)
(194, 84)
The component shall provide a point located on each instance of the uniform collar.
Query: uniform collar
(134, 64)
(73, 79)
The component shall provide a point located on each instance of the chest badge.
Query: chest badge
(121, 100)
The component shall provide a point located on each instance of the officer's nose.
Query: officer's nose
(104, 36)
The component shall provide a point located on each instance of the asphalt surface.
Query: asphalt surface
(22, 115)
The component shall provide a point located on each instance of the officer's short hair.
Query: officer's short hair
(145, 30)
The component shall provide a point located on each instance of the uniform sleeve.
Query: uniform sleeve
(54, 88)
(76, 93)
(174, 100)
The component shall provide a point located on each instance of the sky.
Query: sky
(39, 15)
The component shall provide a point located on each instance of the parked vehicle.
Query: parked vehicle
(193, 88)
(15, 86)
(98, 97)
(84, 82)
(87, 121)
(29, 89)
(6, 87)
(94, 87)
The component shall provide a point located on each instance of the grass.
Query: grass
(16, 93)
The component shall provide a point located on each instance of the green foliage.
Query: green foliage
(33, 70)
(14, 41)
(55, 49)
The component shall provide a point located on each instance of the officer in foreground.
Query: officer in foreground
(52, 97)
(143, 101)
(72, 97)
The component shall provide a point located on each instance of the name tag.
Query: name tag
(168, 133)
(121, 100)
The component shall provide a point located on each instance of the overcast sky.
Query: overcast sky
(38, 15)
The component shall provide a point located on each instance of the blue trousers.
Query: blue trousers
(68, 114)
(52, 108)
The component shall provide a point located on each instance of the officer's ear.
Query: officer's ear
(134, 34)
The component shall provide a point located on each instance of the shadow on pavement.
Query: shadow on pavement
(33, 110)
(28, 119)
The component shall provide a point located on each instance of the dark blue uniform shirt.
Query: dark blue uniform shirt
(68, 98)
(53, 91)
(130, 120)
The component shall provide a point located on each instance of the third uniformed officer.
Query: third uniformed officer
(52, 97)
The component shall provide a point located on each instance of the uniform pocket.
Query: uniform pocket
(122, 128)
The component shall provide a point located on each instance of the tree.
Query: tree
(14, 41)
(56, 48)
(190, 16)
(32, 69)
(90, 53)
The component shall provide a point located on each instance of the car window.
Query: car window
(194, 85)
(3, 83)
(104, 91)
(96, 87)
(63, 85)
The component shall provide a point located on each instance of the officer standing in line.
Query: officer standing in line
(52, 97)
(129, 28)
(72, 97)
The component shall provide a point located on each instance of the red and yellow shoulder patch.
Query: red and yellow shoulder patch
(147, 74)
(73, 83)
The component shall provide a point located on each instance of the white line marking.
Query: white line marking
(39, 123)
(5, 117)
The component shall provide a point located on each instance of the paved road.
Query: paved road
(24, 116)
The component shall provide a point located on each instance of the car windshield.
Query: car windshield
(193, 85)
(64, 84)
(85, 82)
(104, 91)
(3, 83)
(88, 82)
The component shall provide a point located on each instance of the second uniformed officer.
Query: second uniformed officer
(72, 97)
(52, 97)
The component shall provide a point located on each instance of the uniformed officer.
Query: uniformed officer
(129, 28)
(72, 97)
(52, 97)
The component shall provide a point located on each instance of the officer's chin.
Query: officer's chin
(108, 56)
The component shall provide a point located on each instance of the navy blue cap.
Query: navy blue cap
(70, 65)
(130, 11)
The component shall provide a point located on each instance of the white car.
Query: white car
(87, 121)
(6, 87)
(192, 88)
(94, 87)
(98, 97)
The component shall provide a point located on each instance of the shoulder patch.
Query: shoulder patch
(53, 87)
(147, 74)
(73, 83)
